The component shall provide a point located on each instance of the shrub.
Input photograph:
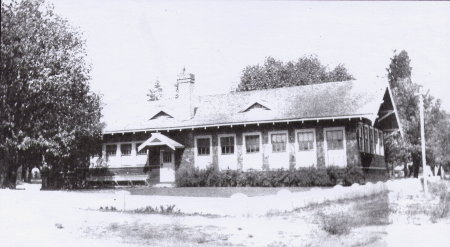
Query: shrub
(443, 208)
(353, 175)
(336, 223)
(189, 176)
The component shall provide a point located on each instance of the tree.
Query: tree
(48, 111)
(155, 93)
(274, 73)
(401, 150)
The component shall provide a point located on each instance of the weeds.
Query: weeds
(168, 209)
(110, 209)
(442, 209)
(337, 223)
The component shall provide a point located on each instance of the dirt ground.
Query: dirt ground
(395, 217)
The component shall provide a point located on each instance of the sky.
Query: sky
(131, 44)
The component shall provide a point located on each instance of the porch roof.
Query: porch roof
(158, 139)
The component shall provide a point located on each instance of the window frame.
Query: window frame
(344, 142)
(121, 150)
(297, 145)
(220, 144)
(285, 132)
(196, 146)
(115, 150)
(366, 139)
(244, 141)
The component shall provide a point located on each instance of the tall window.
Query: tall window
(305, 140)
(375, 141)
(335, 139)
(381, 140)
(142, 152)
(125, 149)
(252, 143)
(98, 151)
(360, 138)
(111, 150)
(227, 144)
(203, 146)
(278, 142)
(366, 139)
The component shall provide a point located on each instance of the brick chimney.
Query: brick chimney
(186, 83)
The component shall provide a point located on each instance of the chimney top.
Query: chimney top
(184, 77)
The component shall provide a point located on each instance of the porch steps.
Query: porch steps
(164, 185)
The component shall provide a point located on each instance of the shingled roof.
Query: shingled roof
(346, 99)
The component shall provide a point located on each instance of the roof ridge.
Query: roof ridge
(274, 89)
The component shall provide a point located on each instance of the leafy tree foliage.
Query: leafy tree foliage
(401, 150)
(48, 111)
(155, 93)
(274, 74)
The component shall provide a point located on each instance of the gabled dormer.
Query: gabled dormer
(161, 115)
(256, 106)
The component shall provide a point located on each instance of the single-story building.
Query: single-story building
(329, 124)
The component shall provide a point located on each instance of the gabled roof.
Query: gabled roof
(346, 99)
(260, 104)
(160, 114)
(158, 139)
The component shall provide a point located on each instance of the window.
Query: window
(360, 138)
(305, 140)
(98, 151)
(252, 143)
(125, 149)
(375, 135)
(203, 146)
(167, 157)
(278, 142)
(381, 139)
(335, 139)
(227, 144)
(142, 152)
(111, 150)
(366, 139)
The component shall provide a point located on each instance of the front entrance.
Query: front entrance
(167, 166)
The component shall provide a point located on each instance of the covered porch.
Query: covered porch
(163, 157)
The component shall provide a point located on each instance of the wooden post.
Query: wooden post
(422, 140)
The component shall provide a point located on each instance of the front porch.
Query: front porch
(162, 157)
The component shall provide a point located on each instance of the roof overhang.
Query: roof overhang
(369, 116)
(158, 139)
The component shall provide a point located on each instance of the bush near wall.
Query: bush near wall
(189, 176)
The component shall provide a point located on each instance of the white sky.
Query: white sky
(133, 43)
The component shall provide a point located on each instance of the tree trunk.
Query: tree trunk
(8, 177)
(416, 169)
(8, 171)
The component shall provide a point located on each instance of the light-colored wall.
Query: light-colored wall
(265, 159)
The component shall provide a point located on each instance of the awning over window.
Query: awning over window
(158, 139)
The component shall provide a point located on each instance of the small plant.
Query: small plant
(111, 209)
(337, 223)
(443, 208)
(168, 209)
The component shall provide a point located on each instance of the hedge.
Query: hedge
(304, 177)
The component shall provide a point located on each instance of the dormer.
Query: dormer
(256, 106)
(161, 115)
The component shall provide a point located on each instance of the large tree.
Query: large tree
(405, 92)
(155, 93)
(274, 74)
(47, 109)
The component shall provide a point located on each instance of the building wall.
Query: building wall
(186, 156)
